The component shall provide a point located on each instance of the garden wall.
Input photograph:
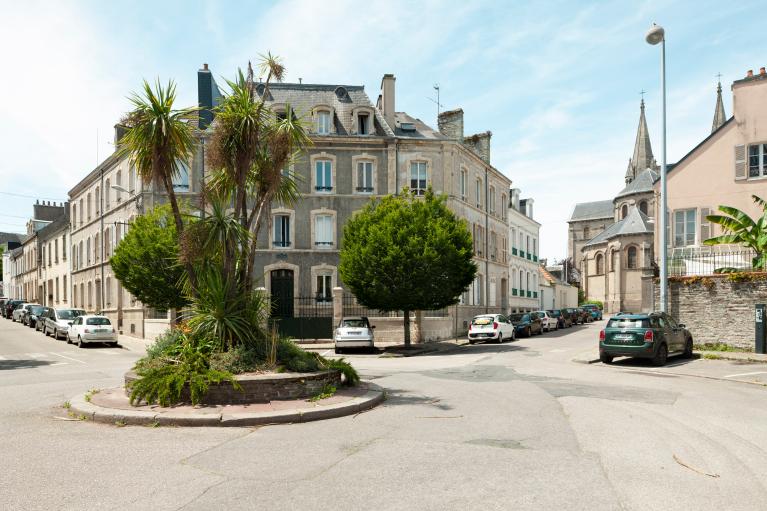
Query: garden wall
(717, 308)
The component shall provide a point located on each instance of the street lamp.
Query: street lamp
(656, 35)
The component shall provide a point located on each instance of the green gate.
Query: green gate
(299, 317)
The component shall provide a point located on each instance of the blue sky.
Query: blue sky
(556, 82)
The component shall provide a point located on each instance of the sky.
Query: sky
(557, 83)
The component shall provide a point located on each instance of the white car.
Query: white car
(491, 327)
(91, 328)
(548, 322)
(353, 332)
(56, 321)
(20, 311)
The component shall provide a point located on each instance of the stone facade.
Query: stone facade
(524, 236)
(717, 308)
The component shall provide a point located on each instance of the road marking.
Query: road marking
(558, 350)
(35, 355)
(3, 358)
(68, 358)
(325, 353)
(745, 374)
(59, 364)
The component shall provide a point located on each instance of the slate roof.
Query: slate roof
(592, 210)
(634, 223)
(303, 97)
(54, 227)
(5, 237)
(642, 183)
(422, 130)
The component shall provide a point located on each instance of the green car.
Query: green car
(653, 336)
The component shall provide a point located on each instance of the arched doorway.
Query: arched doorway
(282, 293)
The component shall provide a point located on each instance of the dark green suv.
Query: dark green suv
(652, 336)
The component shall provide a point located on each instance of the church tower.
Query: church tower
(719, 115)
(642, 159)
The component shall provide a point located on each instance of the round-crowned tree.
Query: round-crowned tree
(407, 253)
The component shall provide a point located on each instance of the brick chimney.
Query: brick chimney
(386, 99)
(480, 144)
(120, 131)
(451, 124)
(207, 96)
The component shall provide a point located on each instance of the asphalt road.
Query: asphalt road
(512, 426)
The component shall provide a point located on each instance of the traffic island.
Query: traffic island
(112, 406)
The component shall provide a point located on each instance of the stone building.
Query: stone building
(54, 273)
(523, 260)
(8, 242)
(362, 151)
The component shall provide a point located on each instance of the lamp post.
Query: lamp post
(656, 35)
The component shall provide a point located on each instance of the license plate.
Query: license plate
(620, 337)
(354, 332)
(102, 330)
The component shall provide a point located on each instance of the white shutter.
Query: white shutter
(705, 225)
(740, 162)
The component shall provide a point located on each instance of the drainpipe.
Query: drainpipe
(101, 239)
(487, 235)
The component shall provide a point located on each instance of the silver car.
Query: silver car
(56, 321)
(354, 332)
(20, 312)
(91, 328)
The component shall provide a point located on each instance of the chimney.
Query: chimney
(750, 73)
(480, 144)
(529, 208)
(120, 131)
(207, 96)
(451, 124)
(387, 103)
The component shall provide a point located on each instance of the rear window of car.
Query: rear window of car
(482, 320)
(629, 323)
(354, 323)
(69, 313)
(98, 321)
(554, 314)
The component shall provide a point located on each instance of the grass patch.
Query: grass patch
(326, 392)
(720, 346)
(712, 356)
(90, 394)
(120, 424)
(67, 405)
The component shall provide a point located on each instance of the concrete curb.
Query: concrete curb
(585, 358)
(79, 407)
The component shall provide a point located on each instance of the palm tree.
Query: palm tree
(740, 228)
(159, 139)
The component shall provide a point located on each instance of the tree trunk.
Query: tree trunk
(180, 230)
(406, 322)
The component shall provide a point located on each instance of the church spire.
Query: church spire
(642, 159)
(719, 115)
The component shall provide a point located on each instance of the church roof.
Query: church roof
(642, 183)
(635, 223)
(642, 158)
(592, 210)
(719, 115)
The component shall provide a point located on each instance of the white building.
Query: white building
(555, 294)
(523, 262)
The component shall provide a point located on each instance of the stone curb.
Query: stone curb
(80, 407)
(718, 355)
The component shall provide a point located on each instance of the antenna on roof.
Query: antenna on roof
(300, 81)
(436, 88)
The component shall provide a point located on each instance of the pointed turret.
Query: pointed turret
(719, 115)
(642, 159)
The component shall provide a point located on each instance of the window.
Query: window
(323, 170)
(90, 295)
(108, 291)
(88, 250)
(535, 247)
(491, 200)
(118, 182)
(624, 211)
(281, 231)
(521, 280)
(132, 179)
(107, 195)
(643, 207)
(74, 215)
(323, 122)
(64, 288)
(107, 239)
(56, 250)
(600, 262)
(64, 247)
(757, 160)
(81, 212)
(323, 231)
(478, 192)
(631, 257)
(324, 288)
(365, 176)
(684, 228)
(88, 203)
(462, 184)
(586, 233)
(503, 206)
(96, 248)
(418, 177)
(493, 246)
(57, 289)
(180, 180)
(362, 124)
(74, 294)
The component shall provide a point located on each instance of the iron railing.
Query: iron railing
(695, 261)
(352, 308)
(303, 307)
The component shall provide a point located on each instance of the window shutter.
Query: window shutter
(705, 225)
(740, 162)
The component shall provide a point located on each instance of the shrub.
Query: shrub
(594, 302)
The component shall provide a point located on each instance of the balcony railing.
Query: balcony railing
(323, 188)
(513, 292)
(522, 254)
(281, 244)
(365, 189)
(691, 261)
(513, 251)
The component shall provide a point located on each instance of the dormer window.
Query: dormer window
(323, 122)
(362, 124)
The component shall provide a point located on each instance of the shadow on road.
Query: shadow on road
(404, 397)
(675, 361)
(22, 364)
(477, 349)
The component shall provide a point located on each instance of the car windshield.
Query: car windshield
(36, 309)
(516, 318)
(98, 321)
(555, 314)
(354, 323)
(482, 320)
(624, 322)
(69, 313)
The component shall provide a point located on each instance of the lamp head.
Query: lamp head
(655, 35)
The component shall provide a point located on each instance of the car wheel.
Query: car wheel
(472, 341)
(55, 334)
(338, 351)
(80, 343)
(69, 339)
(660, 358)
(688, 348)
(605, 359)
(528, 332)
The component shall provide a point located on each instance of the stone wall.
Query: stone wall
(717, 308)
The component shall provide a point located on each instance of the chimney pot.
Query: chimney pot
(761, 71)
(205, 66)
(750, 73)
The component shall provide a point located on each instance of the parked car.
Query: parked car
(526, 325)
(594, 310)
(548, 322)
(575, 317)
(353, 332)
(32, 319)
(91, 328)
(652, 336)
(9, 307)
(487, 327)
(20, 311)
(584, 315)
(563, 320)
(56, 321)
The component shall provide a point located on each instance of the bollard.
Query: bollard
(761, 331)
